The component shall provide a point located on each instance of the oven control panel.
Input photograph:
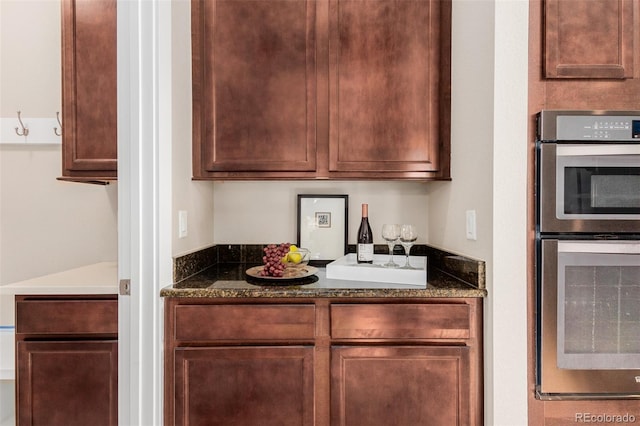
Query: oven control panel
(581, 126)
(617, 128)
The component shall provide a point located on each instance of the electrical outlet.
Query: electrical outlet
(183, 229)
(471, 225)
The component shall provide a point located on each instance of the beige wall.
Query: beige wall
(46, 225)
(263, 212)
(30, 57)
(194, 197)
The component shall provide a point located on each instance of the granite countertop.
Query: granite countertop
(230, 281)
(219, 271)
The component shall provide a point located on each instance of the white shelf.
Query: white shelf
(40, 131)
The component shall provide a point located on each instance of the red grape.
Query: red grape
(272, 259)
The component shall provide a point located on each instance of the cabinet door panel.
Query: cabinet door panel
(402, 386)
(244, 386)
(67, 383)
(589, 39)
(384, 81)
(254, 85)
(242, 323)
(89, 86)
(400, 321)
(54, 316)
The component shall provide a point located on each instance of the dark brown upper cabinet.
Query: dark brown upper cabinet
(589, 39)
(254, 85)
(334, 89)
(89, 84)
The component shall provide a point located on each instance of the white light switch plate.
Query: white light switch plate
(182, 224)
(471, 225)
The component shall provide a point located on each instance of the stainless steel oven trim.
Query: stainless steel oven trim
(548, 205)
(547, 120)
(581, 150)
(604, 247)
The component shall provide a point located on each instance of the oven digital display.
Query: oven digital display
(635, 129)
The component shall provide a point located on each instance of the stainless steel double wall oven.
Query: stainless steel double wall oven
(588, 254)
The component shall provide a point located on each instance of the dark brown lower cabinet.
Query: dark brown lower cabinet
(67, 360)
(339, 362)
(245, 386)
(399, 385)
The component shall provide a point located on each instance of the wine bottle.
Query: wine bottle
(365, 238)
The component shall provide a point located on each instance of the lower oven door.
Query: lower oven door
(589, 328)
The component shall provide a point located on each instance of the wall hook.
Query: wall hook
(25, 131)
(55, 129)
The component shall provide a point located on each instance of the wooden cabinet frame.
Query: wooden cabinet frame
(67, 360)
(378, 111)
(589, 39)
(89, 91)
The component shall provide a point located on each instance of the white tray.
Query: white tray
(347, 268)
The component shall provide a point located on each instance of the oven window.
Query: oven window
(599, 312)
(615, 191)
(602, 190)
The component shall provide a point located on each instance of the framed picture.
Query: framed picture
(322, 226)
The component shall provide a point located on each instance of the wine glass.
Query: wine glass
(408, 235)
(391, 233)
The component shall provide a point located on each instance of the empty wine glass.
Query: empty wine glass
(391, 233)
(408, 235)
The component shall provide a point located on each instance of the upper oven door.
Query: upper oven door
(591, 188)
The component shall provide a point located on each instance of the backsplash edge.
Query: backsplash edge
(471, 271)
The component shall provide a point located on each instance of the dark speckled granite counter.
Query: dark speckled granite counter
(212, 275)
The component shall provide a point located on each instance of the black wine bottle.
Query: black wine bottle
(364, 247)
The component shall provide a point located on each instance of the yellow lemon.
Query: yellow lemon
(293, 247)
(295, 257)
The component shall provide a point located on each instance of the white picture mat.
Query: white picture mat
(323, 243)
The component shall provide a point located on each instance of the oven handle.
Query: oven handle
(618, 247)
(582, 150)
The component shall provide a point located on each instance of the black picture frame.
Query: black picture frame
(323, 226)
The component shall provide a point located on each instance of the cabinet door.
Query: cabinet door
(89, 110)
(400, 386)
(387, 65)
(254, 85)
(244, 386)
(67, 383)
(589, 39)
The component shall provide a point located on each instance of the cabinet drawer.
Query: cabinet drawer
(400, 321)
(67, 316)
(244, 322)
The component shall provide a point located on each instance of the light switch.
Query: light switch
(182, 224)
(471, 225)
